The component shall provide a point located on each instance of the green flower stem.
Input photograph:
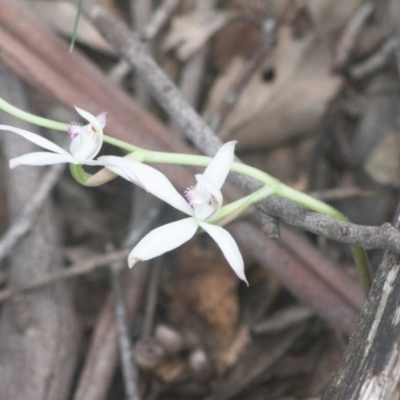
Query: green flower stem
(33, 119)
(272, 184)
(120, 143)
(361, 261)
(78, 173)
(233, 210)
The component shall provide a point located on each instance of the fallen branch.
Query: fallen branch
(171, 99)
(370, 367)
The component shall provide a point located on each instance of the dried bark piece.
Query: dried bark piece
(370, 367)
(39, 333)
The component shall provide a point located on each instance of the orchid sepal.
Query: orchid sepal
(148, 178)
(229, 248)
(161, 240)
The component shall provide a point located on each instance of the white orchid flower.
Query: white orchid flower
(202, 204)
(85, 145)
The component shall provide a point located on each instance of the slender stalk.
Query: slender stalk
(271, 184)
(33, 119)
(233, 210)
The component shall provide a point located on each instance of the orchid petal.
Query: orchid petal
(38, 140)
(148, 178)
(41, 158)
(219, 167)
(101, 119)
(228, 246)
(162, 240)
(210, 187)
(88, 116)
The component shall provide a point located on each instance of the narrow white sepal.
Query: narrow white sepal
(41, 158)
(89, 117)
(102, 119)
(149, 178)
(219, 167)
(38, 140)
(162, 240)
(228, 247)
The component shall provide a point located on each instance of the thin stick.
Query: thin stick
(129, 370)
(350, 34)
(90, 264)
(80, 268)
(193, 70)
(159, 18)
(24, 222)
(151, 298)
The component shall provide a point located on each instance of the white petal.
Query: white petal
(210, 187)
(41, 158)
(218, 169)
(163, 239)
(148, 178)
(101, 118)
(228, 246)
(32, 137)
(89, 117)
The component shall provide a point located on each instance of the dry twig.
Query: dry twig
(25, 220)
(377, 61)
(169, 97)
(347, 41)
(128, 367)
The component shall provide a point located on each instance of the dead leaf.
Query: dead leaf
(61, 16)
(376, 144)
(383, 162)
(190, 32)
(204, 295)
(292, 101)
(290, 105)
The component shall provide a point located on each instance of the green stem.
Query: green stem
(76, 24)
(78, 173)
(147, 156)
(232, 210)
(33, 119)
